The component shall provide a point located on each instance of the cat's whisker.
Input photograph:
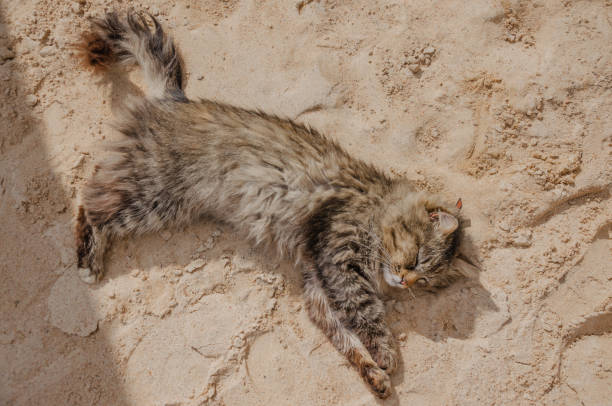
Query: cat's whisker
(370, 233)
(380, 259)
(368, 257)
(362, 245)
(370, 253)
(386, 256)
(377, 245)
(380, 247)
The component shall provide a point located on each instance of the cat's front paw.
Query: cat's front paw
(378, 380)
(385, 358)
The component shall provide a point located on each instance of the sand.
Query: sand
(505, 104)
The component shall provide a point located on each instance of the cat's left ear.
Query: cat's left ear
(446, 223)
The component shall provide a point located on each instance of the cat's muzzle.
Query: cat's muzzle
(413, 277)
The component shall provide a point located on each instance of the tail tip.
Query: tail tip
(95, 52)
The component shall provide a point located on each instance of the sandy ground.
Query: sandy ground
(506, 104)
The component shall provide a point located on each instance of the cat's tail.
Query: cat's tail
(119, 41)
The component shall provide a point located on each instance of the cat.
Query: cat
(353, 231)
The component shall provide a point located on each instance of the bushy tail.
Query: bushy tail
(114, 40)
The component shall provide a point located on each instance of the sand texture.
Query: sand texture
(506, 104)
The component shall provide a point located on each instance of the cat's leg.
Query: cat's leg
(346, 341)
(376, 336)
(91, 241)
(111, 210)
(120, 199)
(363, 313)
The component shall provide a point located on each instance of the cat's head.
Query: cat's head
(420, 237)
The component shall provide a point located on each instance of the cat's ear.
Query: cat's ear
(446, 223)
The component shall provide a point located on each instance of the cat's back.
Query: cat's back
(245, 146)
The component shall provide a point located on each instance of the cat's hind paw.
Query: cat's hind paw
(87, 276)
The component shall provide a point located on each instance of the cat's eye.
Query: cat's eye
(422, 282)
(425, 261)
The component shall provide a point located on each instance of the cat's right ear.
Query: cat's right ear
(445, 223)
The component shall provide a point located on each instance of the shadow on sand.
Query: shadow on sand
(40, 363)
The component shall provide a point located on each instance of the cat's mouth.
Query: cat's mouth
(409, 279)
(406, 281)
(392, 278)
(414, 278)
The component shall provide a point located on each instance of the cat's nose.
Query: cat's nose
(410, 279)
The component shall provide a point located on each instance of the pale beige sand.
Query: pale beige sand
(510, 109)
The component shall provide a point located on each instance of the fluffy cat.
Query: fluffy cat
(352, 230)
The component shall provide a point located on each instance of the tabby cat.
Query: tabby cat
(353, 230)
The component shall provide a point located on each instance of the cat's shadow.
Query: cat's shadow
(463, 310)
(449, 313)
